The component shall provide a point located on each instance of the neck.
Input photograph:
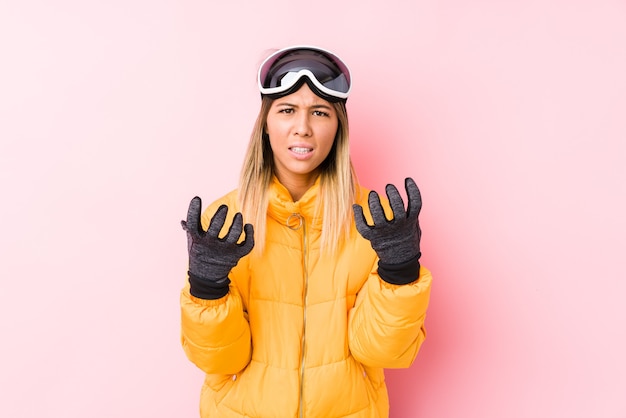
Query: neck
(298, 185)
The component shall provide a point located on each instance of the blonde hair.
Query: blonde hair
(338, 182)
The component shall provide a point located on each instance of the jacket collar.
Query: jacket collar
(283, 209)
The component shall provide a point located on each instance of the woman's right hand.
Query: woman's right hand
(211, 258)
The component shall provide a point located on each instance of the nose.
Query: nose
(302, 124)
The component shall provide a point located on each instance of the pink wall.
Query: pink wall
(510, 115)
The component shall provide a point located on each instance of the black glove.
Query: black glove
(396, 241)
(212, 258)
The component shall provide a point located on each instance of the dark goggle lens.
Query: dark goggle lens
(328, 74)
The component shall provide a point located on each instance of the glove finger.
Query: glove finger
(217, 221)
(378, 213)
(189, 242)
(192, 224)
(395, 201)
(415, 197)
(234, 232)
(360, 221)
(248, 243)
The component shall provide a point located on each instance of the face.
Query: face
(302, 128)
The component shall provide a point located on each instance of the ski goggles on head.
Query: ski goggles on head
(285, 71)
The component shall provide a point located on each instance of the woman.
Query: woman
(297, 312)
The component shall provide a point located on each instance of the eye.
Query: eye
(286, 110)
(321, 113)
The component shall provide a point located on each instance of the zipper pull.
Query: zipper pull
(295, 221)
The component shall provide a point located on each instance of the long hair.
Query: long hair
(338, 181)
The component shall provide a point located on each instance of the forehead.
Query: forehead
(304, 97)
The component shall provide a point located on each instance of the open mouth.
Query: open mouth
(301, 150)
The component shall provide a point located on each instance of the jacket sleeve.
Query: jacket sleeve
(386, 325)
(215, 334)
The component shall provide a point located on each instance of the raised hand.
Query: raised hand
(396, 240)
(210, 257)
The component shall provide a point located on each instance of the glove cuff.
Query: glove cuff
(207, 289)
(401, 273)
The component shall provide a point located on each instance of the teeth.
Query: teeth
(301, 150)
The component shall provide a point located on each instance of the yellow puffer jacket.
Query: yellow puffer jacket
(302, 333)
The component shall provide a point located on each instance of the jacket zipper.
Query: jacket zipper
(302, 224)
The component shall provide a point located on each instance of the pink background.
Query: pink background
(509, 115)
